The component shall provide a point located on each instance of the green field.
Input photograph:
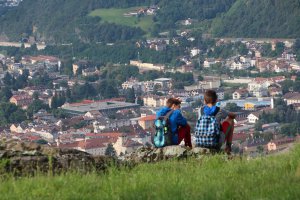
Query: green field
(274, 177)
(114, 15)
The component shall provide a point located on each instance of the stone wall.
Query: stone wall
(20, 158)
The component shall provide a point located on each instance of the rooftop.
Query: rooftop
(148, 118)
(87, 106)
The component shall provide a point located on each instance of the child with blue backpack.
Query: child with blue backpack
(178, 127)
(215, 125)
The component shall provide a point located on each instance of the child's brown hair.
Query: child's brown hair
(210, 97)
(170, 102)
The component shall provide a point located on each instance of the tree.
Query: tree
(110, 151)
(35, 95)
(232, 107)
(242, 49)
(8, 79)
(296, 46)
(260, 149)
(140, 101)
(197, 103)
(5, 94)
(200, 78)
(279, 48)
(10, 113)
(35, 106)
(258, 125)
(130, 95)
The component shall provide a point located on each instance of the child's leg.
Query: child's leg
(184, 133)
(228, 128)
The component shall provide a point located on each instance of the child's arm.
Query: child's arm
(232, 115)
(180, 120)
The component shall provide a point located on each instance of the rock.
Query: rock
(27, 159)
(31, 153)
(3, 154)
(174, 152)
(199, 150)
(147, 155)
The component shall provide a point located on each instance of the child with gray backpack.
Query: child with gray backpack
(215, 125)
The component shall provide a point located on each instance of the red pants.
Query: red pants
(228, 124)
(184, 133)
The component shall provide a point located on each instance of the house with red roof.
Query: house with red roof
(21, 100)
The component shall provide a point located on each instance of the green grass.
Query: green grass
(115, 15)
(276, 177)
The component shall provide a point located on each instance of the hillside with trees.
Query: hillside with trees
(256, 18)
(65, 21)
(60, 21)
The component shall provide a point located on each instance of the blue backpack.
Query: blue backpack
(163, 132)
(207, 131)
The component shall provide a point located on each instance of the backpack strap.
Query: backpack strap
(218, 110)
(167, 116)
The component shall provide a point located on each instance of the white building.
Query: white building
(253, 118)
(259, 87)
(194, 52)
(240, 94)
(163, 83)
(95, 147)
(209, 62)
(125, 145)
(155, 101)
(237, 65)
(292, 98)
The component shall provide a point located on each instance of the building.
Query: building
(194, 52)
(80, 65)
(102, 124)
(147, 66)
(17, 128)
(163, 83)
(292, 98)
(259, 86)
(133, 84)
(90, 71)
(21, 100)
(209, 62)
(253, 118)
(93, 115)
(147, 122)
(238, 65)
(155, 101)
(240, 94)
(105, 106)
(95, 147)
(206, 84)
(271, 146)
(125, 145)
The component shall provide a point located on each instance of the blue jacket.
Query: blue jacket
(176, 119)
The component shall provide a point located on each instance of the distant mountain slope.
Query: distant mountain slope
(260, 18)
(65, 21)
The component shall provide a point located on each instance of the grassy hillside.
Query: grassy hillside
(257, 18)
(276, 177)
(116, 15)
